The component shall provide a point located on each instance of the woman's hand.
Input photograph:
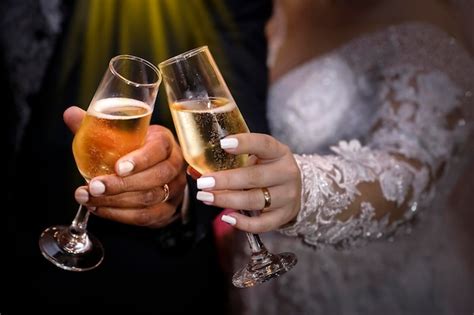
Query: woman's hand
(271, 166)
(136, 194)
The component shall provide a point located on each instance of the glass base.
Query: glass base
(55, 244)
(262, 268)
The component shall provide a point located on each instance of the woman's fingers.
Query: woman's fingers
(253, 199)
(273, 167)
(265, 222)
(265, 147)
(255, 176)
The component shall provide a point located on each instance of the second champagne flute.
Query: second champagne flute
(204, 112)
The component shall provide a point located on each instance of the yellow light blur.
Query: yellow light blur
(151, 29)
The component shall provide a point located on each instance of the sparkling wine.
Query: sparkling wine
(111, 128)
(200, 125)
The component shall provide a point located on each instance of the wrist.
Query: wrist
(177, 232)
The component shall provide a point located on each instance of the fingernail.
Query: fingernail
(125, 167)
(205, 196)
(206, 182)
(91, 209)
(96, 188)
(82, 196)
(229, 219)
(229, 143)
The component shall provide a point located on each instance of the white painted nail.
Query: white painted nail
(205, 196)
(229, 219)
(82, 196)
(206, 182)
(125, 167)
(96, 188)
(229, 143)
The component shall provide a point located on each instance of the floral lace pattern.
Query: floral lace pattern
(412, 122)
(390, 92)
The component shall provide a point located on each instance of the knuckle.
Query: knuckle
(166, 144)
(253, 226)
(142, 218)
(144, 160)
(267, 143)
(182, 180)
(223, 181)
(255, 176)
(122, 184)
(294, 172)
(177, 159)
(255, 200)
(293, 193)
(104, 212)
(285, 148)
(154, 129)
(164, 173)
(149, 197)
(248, 226)
(163, 138)
(221, 198)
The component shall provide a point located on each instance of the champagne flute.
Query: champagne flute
(115, 124)
(204, 112)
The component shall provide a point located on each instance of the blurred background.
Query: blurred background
(53, 54)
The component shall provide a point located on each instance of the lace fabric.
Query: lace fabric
(392, 109)
(413, 122)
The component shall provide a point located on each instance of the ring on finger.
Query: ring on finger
(267, 198)
(166, 190)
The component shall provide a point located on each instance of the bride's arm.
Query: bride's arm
(366, 191)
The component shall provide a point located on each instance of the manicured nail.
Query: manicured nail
(91, 209)
(82, 196)
(125, 167)
(229, 143)
(205, 196)
(206, 182)
(96, 188)
(229, 219)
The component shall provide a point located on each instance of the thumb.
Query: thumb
(73, 117)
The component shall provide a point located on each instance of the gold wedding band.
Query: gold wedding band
(267, 197)
(166, 190)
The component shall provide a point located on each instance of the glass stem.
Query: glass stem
(79, 224)
(255, 243)
(74, 240)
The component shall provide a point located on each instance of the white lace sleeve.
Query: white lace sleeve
(363, 192)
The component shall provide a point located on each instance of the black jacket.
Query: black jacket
(169, 270)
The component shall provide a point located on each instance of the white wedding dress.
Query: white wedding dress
(348, 116)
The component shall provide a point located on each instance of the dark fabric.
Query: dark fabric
(170, 270)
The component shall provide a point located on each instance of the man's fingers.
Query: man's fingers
(133, 199)
(153, 217)
(157, 147)
(73, 117)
